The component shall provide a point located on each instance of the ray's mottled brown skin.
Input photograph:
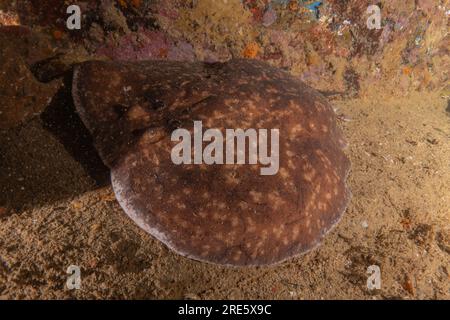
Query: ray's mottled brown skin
(225, 214)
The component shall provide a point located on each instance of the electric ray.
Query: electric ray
(227, 214)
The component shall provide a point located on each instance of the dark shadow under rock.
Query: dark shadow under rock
(56, 148)
(61, 119)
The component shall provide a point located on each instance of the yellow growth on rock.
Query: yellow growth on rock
(216, 24)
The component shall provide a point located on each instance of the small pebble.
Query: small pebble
(269, 17)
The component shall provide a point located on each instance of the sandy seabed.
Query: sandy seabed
(398, 219)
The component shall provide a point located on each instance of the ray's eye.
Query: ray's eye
(157, 104)
(154, 102)
(120, 110)
(138, 132)
(173, 124)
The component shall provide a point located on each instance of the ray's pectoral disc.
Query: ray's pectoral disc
(233, 163)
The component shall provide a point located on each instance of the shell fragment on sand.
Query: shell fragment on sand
(220, 213)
